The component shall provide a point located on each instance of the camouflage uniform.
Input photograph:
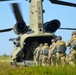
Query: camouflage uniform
(40, 54)
(52, 53)
(60, 54)
(67, 60)
(36, 55)
(72, 53)
(45, 56)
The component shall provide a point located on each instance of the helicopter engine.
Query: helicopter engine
(52, 25)
(20, 27)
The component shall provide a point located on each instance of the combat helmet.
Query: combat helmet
(53, 40)
(41, 44)
(45, 44)
(74, 32)
(59, 38)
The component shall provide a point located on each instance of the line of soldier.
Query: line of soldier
(55, 54)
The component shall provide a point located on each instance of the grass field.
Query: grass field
(4, 58)
(7, 69)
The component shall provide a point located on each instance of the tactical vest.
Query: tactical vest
(46, 51)
(61, 47)
(73, 43)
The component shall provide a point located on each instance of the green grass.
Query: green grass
(4, 58)
(7, 69)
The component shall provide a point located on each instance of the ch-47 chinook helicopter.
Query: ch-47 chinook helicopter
(37, 32)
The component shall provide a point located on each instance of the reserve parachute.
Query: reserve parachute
(45, 51)
(61, 47)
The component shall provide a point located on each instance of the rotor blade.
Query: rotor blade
(63, 3)
(5, 30)
(17, 12)
(5, 0)
(12, 39)
(68, 28)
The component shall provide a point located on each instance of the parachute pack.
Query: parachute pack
(73, 43)
(46, 51)
(61, 47)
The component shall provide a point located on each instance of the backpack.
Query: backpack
(61, 47)
(46, 51)
(73, 44)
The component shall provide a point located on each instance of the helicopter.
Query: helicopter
(37, 32)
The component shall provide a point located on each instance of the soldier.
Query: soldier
(17, 52)
(52, 52)
(45, 52)
(72, 44)
(61, 48)
(37, 54)
(40, 54)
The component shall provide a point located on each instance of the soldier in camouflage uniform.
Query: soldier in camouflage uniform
(45, 52)
(36, 55)
(72, 44)
(61, 48)
(52, 53)
(40, 55)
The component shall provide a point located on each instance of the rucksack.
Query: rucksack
(61, 47)
(45, 51)
(73, 43)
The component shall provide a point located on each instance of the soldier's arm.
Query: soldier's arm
(68, 42)
(50, 47)
(35, 51)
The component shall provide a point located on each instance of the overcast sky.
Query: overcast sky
(66, 15)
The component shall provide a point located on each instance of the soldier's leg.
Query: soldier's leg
(71, 60)
(63, 61)
(67, 60)
(74, 53)
(43, 60)
(47, 61)
(40, 61)
(34, 62)
(53, 60)
(57, 59)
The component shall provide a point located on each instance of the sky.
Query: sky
(65, 14)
